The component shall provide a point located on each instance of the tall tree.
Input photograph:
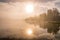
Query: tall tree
(49, 20)
(53, 21)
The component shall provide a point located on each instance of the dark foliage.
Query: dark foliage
(49, 20)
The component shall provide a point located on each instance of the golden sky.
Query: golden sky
(17, 9)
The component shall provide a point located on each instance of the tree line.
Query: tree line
(49, 20)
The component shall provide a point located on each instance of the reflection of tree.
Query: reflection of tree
(49, 20)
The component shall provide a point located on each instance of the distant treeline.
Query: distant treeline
(49, 20)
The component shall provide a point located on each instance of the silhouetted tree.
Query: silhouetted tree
(49, 20)
(53, 21)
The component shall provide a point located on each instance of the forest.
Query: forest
(49, 20)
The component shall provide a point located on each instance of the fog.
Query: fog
(12, 22)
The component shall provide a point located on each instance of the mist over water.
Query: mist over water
(15, 28)
(13, 25)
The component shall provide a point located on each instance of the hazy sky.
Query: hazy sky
(15, 8)
(12, 12)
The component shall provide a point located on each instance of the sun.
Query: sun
(29, 31)
(29, 7)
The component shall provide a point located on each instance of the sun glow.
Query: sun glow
(29, 31)
(29, 7)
